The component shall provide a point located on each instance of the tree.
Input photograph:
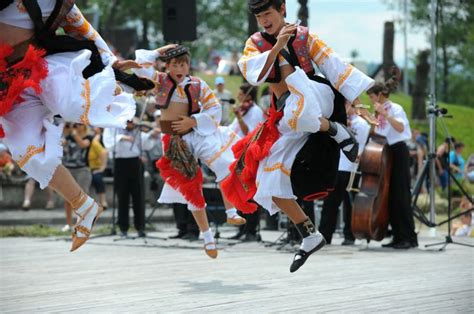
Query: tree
(454, 42)
(418, 111)
(303, 12)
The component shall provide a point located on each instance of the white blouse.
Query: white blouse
(386, 129)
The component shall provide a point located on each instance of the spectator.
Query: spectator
(465, 228)
(76, 148)
(30, 190)
(97, 161)
(470, 169)
(456, 161)
(6, 162)
(442, 161)
(154, 154)
(224, 97)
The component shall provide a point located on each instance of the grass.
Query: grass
(41, 231)
(461, 126)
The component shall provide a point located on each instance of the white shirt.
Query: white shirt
(224, 99)
(252, 118)
(361, 129)
(113, 139)
(386, 129)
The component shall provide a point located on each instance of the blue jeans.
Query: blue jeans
(443, 179)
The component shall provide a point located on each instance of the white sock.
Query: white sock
(89, 218)
(341, 135)
(311, 241)
(231, 212)
(208, 238)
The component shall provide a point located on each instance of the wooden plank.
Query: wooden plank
(40, 275)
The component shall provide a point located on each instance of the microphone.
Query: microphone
(438, 111)
(230, 100)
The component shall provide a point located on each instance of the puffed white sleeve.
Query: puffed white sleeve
(347, 79)
(146, 59)
(252, 62)
(210, 115)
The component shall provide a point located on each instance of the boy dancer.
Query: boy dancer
(42, 75)
(283, 56)
(190, 117)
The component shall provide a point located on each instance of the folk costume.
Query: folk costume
(46, 75)
(49, 75)
(207, 141)
(270, 152)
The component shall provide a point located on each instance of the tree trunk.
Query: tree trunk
(303, 12)
(421, 83)
(109, 24)
(388, 39)
(145, 42)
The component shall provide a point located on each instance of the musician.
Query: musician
(340, 194)
(394, 125)
(248, 115)
(128, 145)
(190, 117)
(283, 55)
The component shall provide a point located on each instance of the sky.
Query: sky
(346, 25)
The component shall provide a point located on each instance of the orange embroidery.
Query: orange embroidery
(223, 149)
(343, 77)
(324, 55)
(278, 166)
(208, 106)
(244, 69)
(86, 94)
(300, 105)
(317, 45)
(30, 152)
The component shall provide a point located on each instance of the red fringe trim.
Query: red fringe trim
(27, 73)
(232, 186)
(191, 189)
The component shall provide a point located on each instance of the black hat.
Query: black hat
(173, 53)
(257, 6)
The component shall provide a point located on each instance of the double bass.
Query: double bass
(370, 214)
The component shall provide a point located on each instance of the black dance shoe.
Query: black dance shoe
(306, 229)
(402, 245)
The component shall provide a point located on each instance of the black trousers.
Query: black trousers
(184, 219)
(330, 210)
(252, 222)
(129, 181)
(400, 210)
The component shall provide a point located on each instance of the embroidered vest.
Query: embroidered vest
(167, 87)
(297, 46)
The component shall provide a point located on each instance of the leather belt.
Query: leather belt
(165, 126)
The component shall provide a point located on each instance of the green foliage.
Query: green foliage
(455, 42)
(40, 231)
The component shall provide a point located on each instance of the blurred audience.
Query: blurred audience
(224, 97)
(97, 161)
(76, 144)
